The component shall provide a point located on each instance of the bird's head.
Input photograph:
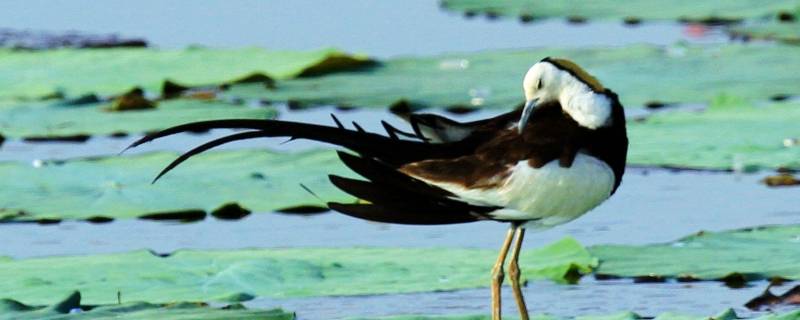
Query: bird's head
(581, 96)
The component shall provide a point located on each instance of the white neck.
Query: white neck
(588, 108)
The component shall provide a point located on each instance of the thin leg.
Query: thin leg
(497, 273)
(514, 273)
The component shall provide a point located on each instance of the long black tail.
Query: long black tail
(393, 197)
(389, 149)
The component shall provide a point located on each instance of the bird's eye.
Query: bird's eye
(541, 83)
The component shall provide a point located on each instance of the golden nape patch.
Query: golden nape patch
(582, 75)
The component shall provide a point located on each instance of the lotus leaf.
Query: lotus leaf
(492, 79)
(54, 119)
(119, 187)
(300, 272)
(748, 254)
(77, 72)
(786, 32)
(685, 10)
(71, 308)
(737, 136)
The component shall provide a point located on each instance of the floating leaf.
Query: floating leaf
(50, 120)
(684, 10)
(111, 71)
(493, 79)
(743, 137)
(71, 308)
(220, 275)
(119, 187)
(786, 32)
(783, 26)
(744, 255)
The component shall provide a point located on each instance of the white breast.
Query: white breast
(548, 196)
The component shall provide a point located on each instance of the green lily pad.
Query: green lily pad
(53, 119)
(220, 275)
(76, 72)
(493, 79)
(119, 187)
(772, 29)
(684, 10)
(738, 136)
(747, 254)
(71, 308)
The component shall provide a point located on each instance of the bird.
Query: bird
(558, 155)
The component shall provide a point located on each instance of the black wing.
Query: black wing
(393, 196)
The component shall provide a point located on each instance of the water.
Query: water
(648, 300)
(379, 28)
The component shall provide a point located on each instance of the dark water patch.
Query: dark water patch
(177, 216)
(48, 221)
(99, 219)
(632, 21)
(576, 20)
(77, 138)
(780, 97)
(25, 39)
(160, 254)
(230, 211)
(712, 21)
(649, 279)
(739, 280)
(304, 210)
(784, 16)
(118, 134)
(653, 105)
